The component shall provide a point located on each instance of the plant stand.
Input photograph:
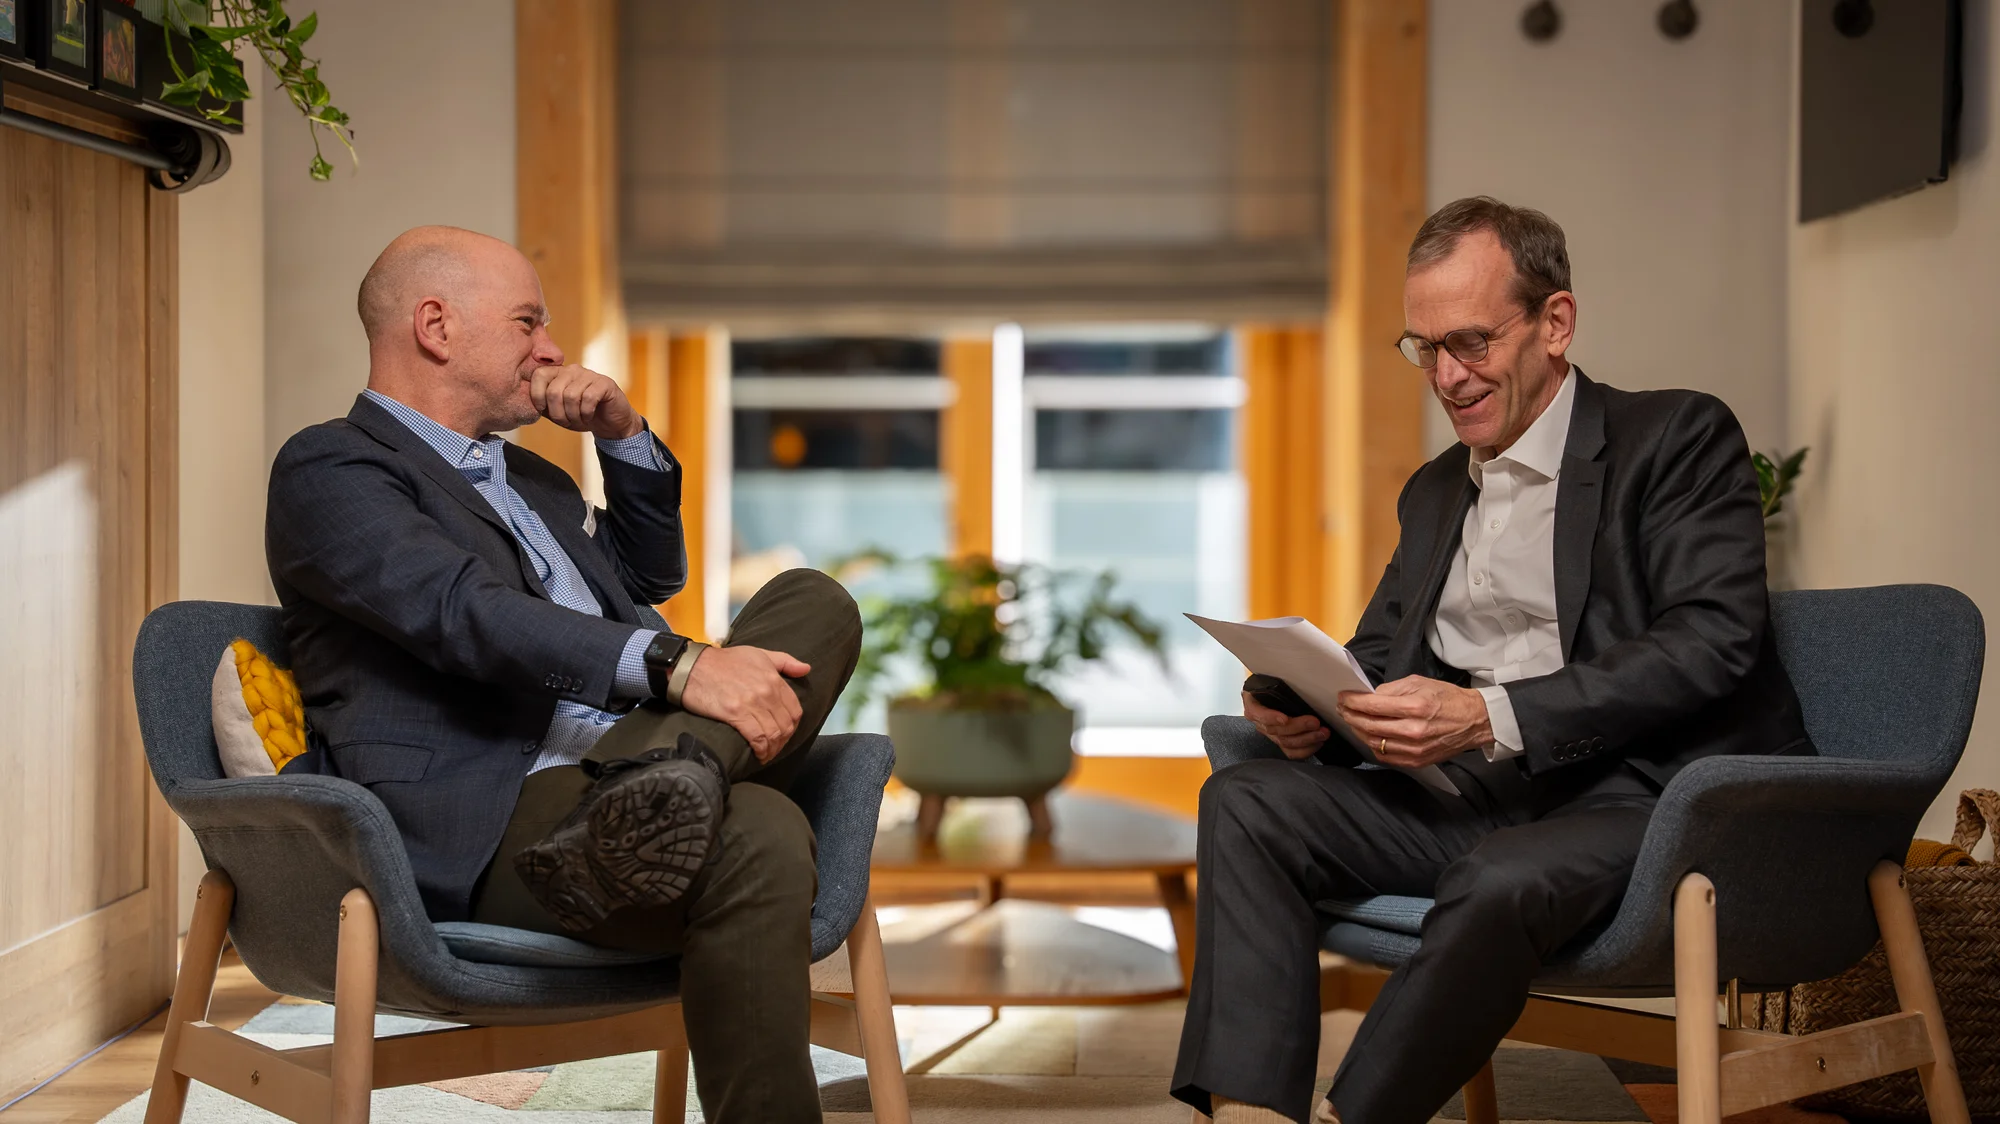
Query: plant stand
(930, 813)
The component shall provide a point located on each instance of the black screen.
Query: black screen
(1878, 100)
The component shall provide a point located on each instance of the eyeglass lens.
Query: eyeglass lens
(1467, 345)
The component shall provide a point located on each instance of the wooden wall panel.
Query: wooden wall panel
(1376, 401)
(566, 184)
(1284, 455)
(687, 380)
(966, 452)
(87, 256)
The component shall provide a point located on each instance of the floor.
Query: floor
(125, 1068)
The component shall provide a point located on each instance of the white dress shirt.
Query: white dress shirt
(1496, 616)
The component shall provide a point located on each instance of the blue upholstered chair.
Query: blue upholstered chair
(308, 876)
(1761, 872)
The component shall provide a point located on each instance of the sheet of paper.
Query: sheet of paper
(1316, 666)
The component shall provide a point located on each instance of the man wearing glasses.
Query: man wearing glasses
(1576, 610)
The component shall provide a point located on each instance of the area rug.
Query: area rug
(1048, 1065)
(1055, 1065)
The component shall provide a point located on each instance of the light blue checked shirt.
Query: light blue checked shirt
(575, 727)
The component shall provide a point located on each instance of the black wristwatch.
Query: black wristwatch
(665, 656)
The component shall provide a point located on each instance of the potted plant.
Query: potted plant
(1776, 473)
(988, 639)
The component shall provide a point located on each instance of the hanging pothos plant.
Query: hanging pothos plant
(214, 73)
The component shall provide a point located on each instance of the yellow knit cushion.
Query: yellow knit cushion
(260, 722)
(1930, 852)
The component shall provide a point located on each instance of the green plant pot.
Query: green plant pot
(1021, 753)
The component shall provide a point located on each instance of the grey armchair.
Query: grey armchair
(1760, 871)
(309, 878)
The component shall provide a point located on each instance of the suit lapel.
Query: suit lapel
(383, 426)
(582, 550)
(1579, 499)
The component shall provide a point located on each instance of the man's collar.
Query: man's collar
(453, 446)
(1541, 447)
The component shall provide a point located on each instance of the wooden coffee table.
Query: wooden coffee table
(1004, 951)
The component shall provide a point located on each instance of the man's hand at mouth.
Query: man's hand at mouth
(578, 398)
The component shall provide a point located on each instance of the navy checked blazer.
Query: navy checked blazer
(429, 655)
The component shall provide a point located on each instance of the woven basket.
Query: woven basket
(1958, 913)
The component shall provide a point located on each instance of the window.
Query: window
(1133, 469)
(835, 448)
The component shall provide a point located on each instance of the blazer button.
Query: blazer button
(529, 747)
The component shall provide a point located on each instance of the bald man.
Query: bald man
(465, 630)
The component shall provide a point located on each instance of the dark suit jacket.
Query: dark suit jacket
(1660, 594)
(429, 655)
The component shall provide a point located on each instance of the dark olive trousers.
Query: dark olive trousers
(744, 929)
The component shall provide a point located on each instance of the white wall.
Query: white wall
(1896, 386)
(430, 87)
(222, 448)
(1664, 162)
(223, 459)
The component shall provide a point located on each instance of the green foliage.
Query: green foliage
(991, 636)
(214, 73)
(1775, 476)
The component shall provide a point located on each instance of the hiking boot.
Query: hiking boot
(637, 838)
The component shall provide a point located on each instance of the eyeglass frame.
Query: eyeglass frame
(1444, 342)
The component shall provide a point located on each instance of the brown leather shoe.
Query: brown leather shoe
(637, 838)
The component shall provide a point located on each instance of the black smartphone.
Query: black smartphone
(1270, 691)
(1273, 692)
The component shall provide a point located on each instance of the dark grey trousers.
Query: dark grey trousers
(1517, 870)
(744, 929)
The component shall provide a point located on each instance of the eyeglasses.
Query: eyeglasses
(1467, 345)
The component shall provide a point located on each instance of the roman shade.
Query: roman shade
(1011, 158)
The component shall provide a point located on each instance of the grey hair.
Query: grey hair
(1531, 238)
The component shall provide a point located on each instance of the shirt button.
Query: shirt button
(478, 453)
(1479, 579)
(1495, 525)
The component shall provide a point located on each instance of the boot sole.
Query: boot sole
(640, 844)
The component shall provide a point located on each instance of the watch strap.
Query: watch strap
(661, 655)
(683, 669)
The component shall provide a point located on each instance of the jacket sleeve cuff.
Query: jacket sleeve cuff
(630, 681)
(1506, 728)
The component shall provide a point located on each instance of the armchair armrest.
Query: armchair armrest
(839, 787)
(1231, 739)
(1788, 842)
(294, 846)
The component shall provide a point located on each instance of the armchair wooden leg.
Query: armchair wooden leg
(877, 1020)
(1910, 969)
(670, 1082)
(1697, 1037)
(354, 994)
(192, 989)
(1482, 1104)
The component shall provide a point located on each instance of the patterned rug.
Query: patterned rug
(1055, 1065)
(1048, 1065)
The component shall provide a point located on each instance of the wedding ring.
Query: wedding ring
(1382, 748)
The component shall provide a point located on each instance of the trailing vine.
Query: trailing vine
(215, 73)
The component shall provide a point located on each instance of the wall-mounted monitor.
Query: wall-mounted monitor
(1879, 94)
